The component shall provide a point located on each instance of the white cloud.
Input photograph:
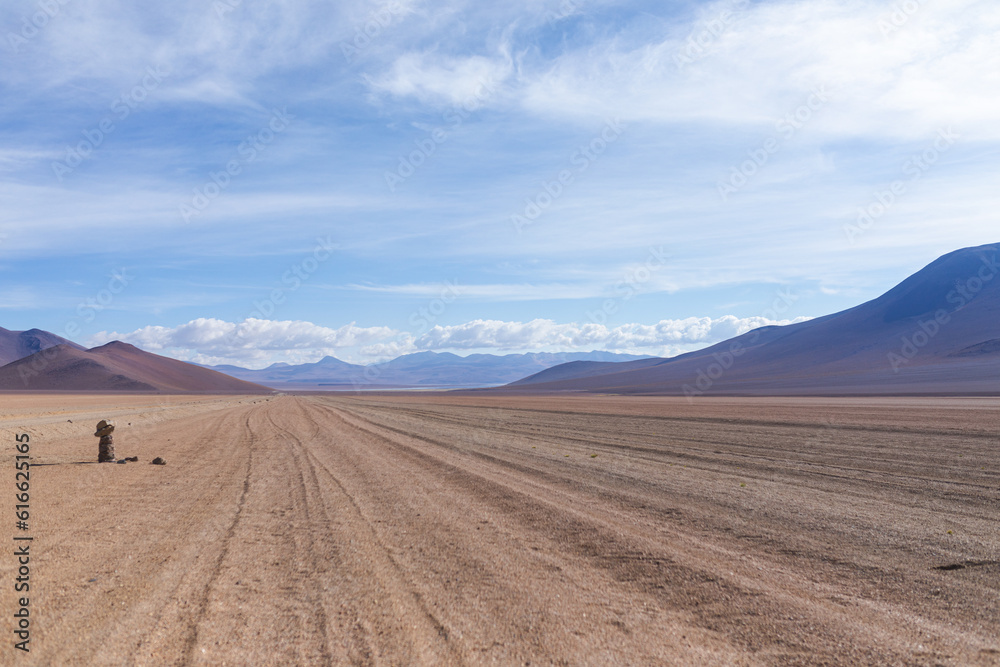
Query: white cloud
(258, 343)
(12, 159)
(434, 79)
(545, 334)
(938, 68)
(229, 44)
(252, 340)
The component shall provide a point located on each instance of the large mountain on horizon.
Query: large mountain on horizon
(419, 370)
(115, 366)
(16, 345)
(937, 332)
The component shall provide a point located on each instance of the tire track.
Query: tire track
(315, 527)
(117, 622)
(600, 542)
(194, 624)
(391, 570)
(792, 470)
(182, 580)
(618, 439)
(683, 421)
(418, 530)
(536, 517)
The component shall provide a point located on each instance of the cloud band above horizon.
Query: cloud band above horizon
(256, 343)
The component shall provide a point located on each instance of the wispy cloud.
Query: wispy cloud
(896, 84)
(442, 80)
(701, 88)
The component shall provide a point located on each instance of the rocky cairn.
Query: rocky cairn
(106, 451)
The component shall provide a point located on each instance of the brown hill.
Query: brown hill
(115, 367)
(16, 345)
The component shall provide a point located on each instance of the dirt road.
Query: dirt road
(413, 529)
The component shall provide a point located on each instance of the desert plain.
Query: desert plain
(450, 529)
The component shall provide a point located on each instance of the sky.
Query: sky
(247, 182)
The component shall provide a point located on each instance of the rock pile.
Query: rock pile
(106, 452)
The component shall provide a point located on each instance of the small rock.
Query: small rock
(132, 458)
(122, 461)
(159, 462)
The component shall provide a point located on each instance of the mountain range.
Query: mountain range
(41, 361)
(419, 370)
(937, 332)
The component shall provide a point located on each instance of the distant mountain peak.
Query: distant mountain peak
(945, 283)
(15, 345)
(419, 369)
(115, 366)
(115, 345)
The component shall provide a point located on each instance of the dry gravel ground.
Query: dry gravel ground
(442, 529)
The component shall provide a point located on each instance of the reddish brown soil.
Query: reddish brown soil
(430, 529)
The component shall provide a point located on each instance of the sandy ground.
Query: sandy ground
(427, 529)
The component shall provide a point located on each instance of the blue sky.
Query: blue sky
(247, 182)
